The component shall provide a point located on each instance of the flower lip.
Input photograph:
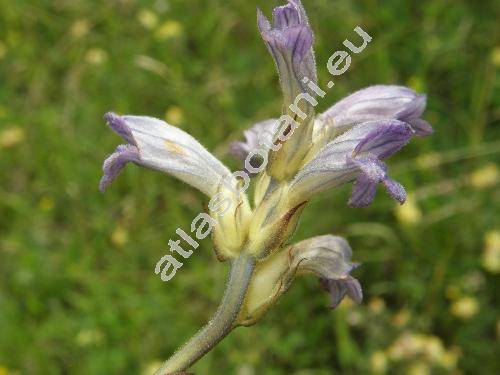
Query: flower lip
(385, 140)
(120, 127)
(340, 288)
(116, 162)
(328, 257)
(372, 172)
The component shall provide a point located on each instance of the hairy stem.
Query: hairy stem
(222, 322)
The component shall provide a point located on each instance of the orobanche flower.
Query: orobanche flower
(291, 159)
(377, 103)
(154, 144)
(328, 257)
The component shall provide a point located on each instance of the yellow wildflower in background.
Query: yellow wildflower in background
(169, 29)
(119, 237)
(89, 337)
(402, 318)
(495, 56)
(378, 362)
(429, 160)
(174, 115)
(450, 358)
(419, 368)
(491, 254)
(147, 18)
(11, 137)
(46, 203)
(486, 176)
(422, 352)
(96, 56)
(433, 348)
(465, 307)
(354, 318)
(406, 346)
(80, 28)
(408, 213)
(376, 305)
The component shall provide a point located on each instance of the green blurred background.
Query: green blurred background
(77, 290)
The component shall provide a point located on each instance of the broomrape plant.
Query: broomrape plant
(291, 159)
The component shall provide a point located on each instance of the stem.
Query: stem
(222, 322)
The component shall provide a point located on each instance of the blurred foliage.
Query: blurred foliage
(77, 290)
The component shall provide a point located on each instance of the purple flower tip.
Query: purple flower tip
(421, 127)
(114, 164)
(286, 16)
(395, 190)
(385, 140)
(262, 21)
(414, 109)
(372, 172)
(381, 142)
(340, 288)
(412, 114)
(119, 126)
(289, 38)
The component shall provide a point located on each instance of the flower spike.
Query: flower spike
(296, 156)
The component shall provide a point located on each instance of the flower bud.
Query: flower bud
(232, 214)
(273, 223)
(289, 38)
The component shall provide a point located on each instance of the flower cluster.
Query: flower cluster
(304, 154)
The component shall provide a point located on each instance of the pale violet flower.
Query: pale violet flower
(327, 257)
(154, 144)
(377, 103)
(360, 130)
(355, 155)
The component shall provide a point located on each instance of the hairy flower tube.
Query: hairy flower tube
(290, 159)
